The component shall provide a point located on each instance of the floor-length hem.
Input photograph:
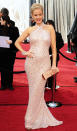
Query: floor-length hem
(45, 126)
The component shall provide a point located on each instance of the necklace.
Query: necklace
(41, 25)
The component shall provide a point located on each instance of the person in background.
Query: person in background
(7, 55)
(0, 15)
(72, 35)
(5, 12)
(32, 22)
(37, 63)
(59, 45)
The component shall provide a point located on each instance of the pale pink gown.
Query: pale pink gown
(38, 114)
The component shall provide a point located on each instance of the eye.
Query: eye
(40, 14)
(35, 15)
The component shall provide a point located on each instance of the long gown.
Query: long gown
(38, 114)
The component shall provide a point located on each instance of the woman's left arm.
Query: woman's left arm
(53, 46)
(53, 69)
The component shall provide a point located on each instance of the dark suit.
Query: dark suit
(73, 33)
(74, 25)
(7, 56)
(59, 45)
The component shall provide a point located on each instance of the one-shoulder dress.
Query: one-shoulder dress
(38, 114)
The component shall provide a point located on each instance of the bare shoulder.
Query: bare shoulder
(31, 28)
(27, 30)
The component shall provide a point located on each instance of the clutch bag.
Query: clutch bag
(49, 73)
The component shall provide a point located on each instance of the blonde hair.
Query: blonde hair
(36, 6)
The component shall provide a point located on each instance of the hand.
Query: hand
(50, 72)
(9, 41)
(55, 69)
(30, 54)
(71, 43)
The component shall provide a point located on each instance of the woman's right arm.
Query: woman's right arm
(20, 39)
(18, 42)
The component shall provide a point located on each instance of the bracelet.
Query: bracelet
(23, 52)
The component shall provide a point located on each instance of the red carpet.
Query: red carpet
(68, 69)
(12, 118)
(13, 103)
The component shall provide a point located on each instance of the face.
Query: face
(3, 22)
(37, 16)
(0, 14)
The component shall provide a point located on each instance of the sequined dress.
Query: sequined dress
(38, 114)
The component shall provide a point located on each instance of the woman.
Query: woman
(7, 55)
(37, 63)
(59, 45)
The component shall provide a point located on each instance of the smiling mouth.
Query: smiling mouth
(38, 20)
